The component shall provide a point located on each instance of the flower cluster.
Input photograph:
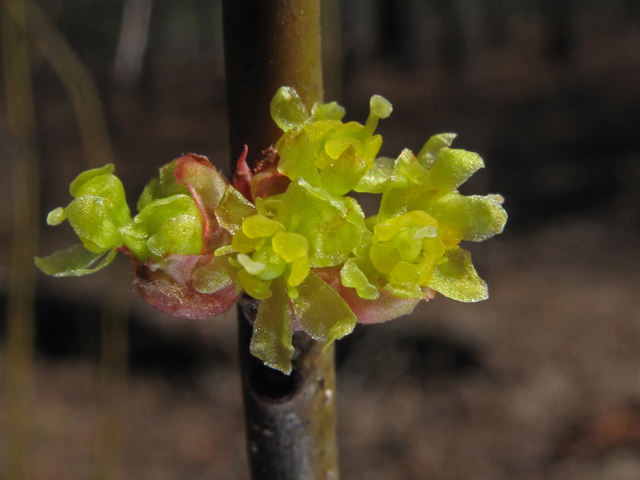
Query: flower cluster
(286, 232)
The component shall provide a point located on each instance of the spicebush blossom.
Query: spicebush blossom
(287, 234)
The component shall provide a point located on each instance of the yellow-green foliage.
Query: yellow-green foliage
(306, 251)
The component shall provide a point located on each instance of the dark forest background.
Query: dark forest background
(542, 381)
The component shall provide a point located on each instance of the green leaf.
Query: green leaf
(408, 171)
(300, 268)
(327, 111)
(84, 177)
(165, 185)
(333, 225)
(409, 188)
(474, 218)
(97, 212)
(257, 226)
(290, 245)
(325, 152)
(287, 109)
(452, 168)
(254, 286)
(148, 194)
(272, 331)
(321, 311)
(393, 226)
(136, 243)
(352, 276)
(110, 188)
(254, 268)
(179, 235)
(93, 221)
(404, 290)
(297, 157)
(404, 273)
(274, 264)
(370, 148)
(214, 276)
(429, 152)
(74, 261)
(378, 177)
(457, 278)
(174, 225)
(233, 209)
(384, 256)
(155, 213)
(321, 131)
(135, 237)
(341, 175)
(243, 244)
(206, 185)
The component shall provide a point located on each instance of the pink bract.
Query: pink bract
(243, 176)
(267, 180)
(207, 186)
(385, 308)
(168, 286)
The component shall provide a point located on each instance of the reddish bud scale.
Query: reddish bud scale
(170, 289)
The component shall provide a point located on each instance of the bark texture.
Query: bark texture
(290, 419)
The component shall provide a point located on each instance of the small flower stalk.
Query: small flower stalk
(288, 234)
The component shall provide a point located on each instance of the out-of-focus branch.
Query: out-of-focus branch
(78, 83)
(26, 205)
(332, 56)
(132, 43)
(113, 381)
(88, 109)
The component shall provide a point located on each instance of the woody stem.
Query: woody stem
(290, 420)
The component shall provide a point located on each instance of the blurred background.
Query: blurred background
(542, 381)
